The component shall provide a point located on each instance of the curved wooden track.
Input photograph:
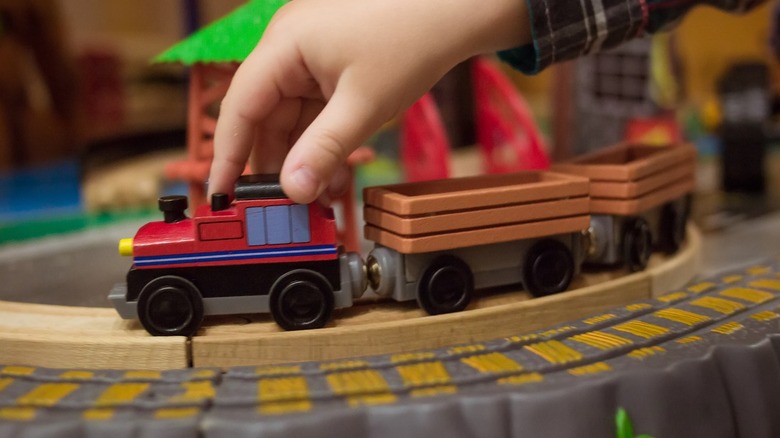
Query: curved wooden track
(95, 338)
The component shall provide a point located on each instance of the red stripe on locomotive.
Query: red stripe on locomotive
(201, 234)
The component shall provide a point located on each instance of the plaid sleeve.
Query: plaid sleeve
(567, 29)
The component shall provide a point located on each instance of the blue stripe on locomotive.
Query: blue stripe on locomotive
(235, 255)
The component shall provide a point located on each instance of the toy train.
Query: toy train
(435, 242)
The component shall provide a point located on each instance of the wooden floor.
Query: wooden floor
(96, 338)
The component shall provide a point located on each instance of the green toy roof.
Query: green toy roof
(229, 39)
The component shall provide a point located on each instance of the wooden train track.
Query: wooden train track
(96, 338)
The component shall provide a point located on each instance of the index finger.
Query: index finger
(253, 93)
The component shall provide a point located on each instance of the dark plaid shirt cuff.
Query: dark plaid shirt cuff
(567, 29)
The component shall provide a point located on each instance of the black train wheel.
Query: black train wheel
(672, 228)
(548, 268)
(446, 286)
(637, 244)
(301, 300)
(170, 306)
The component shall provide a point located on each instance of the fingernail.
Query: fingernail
(306, 181)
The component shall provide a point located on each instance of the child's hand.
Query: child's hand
(328, 73)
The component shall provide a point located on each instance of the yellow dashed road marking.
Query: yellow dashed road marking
(689, 340)
(731, 279)
(554, 352)
(98, 414)
(466, 349)
(357, 382)
(17, 413)
(752, 295)
(411, 357)
(600, 318)
(641, 353)
(642, 329)
(557, 331)
(77, 375)
(701, 287)
(195, 392)
(365, 387)
(344, 365)
(17, 371)
(282, 389)
(174, 413)
(371, 399)
(424, 373)
(601, 340)
(521, 379)
(276, 408)
(594, 368)
(759, 270)
(120, 393)
(766, 283)
(434, 390)
(277, 370)
(720, 305)
(283, 395)
(47, 394)
(521, 339)
(5, 381)
(492, 363)
(672, 297)
(766, 315)
(637, 307)
(681, 316)
(728, 328)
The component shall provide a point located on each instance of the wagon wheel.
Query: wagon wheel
(674, 218)
(446, 286)
(301, 299)
(548, 268)
(170, 306)
(637, 244)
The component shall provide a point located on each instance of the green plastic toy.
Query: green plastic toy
(229, 39)
(625, 429)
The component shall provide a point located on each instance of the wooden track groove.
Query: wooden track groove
(95, 338)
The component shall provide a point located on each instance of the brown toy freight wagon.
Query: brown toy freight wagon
(437, 241)
(640, 200)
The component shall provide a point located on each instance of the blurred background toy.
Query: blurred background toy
(39, 86)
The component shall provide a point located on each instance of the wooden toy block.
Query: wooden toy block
(480, 236)
(635, 206)
(481, 218)
(635, 189)
(474, 192)
(457, 213)
(627, 162)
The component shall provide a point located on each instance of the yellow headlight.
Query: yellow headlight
(126, 247)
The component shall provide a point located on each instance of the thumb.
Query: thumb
(344, 123)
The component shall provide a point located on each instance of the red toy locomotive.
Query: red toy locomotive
(260, 253)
